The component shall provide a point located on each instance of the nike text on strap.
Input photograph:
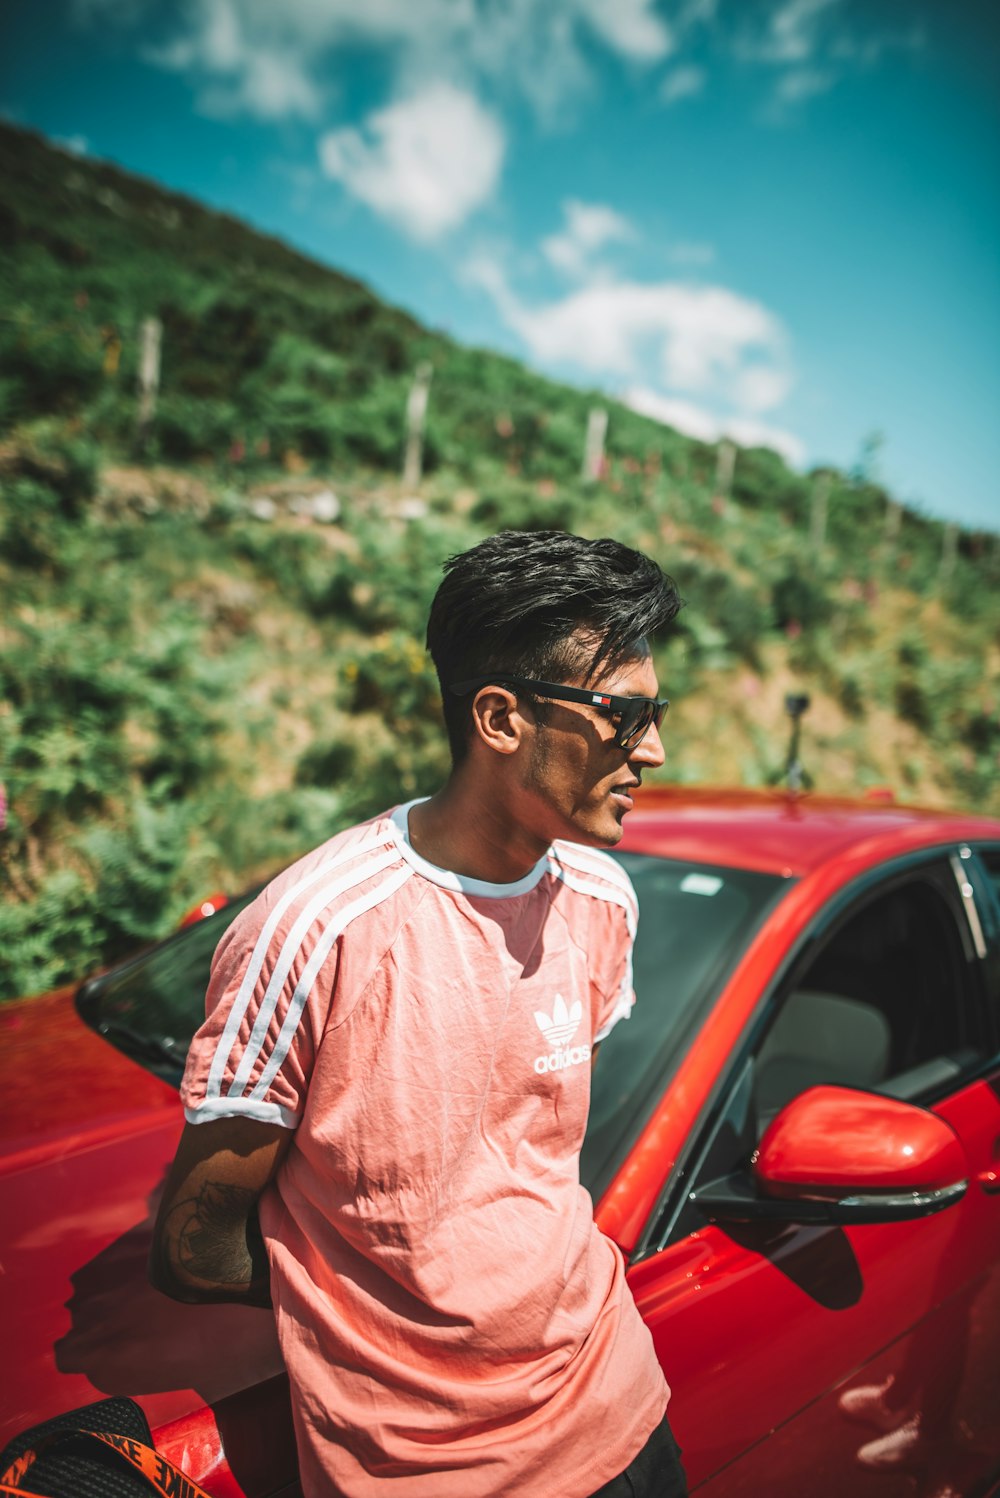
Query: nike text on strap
(159, 1474)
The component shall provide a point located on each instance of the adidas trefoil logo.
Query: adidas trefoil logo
(564, 1022)
(559, 1027)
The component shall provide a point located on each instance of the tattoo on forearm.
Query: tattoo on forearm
(218, 1239)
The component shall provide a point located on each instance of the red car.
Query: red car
(795, 1140)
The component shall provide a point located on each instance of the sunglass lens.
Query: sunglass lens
(634, 729)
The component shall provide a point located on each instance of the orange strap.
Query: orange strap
(162, 1475)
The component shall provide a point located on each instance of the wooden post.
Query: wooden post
(151, 338)
(725, 467)
(818, 512)
(892, 525)
(949, 551)
(593, 450)
(416, 416)
(893, 521)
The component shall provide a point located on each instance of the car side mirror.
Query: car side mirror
(834, 1155)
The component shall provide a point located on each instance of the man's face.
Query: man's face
(578, 784)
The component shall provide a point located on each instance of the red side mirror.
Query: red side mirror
(831, 1141)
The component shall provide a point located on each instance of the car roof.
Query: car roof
(784, 832)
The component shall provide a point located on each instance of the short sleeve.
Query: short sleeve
(266, 1006)
(613, 941)
(619, 992)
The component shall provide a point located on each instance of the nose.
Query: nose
(649, 753)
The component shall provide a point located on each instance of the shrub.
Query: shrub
(51, 938)
(31, 526)
(511, 504)
(798, 596)
(326, 764)
(736, 617)
(186, 427)
(763, 481)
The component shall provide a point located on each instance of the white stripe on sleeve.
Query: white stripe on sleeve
(241, 1107)
(319, 954)
(289, 951)
(615, 896)
(592, 861)
(236, 1015)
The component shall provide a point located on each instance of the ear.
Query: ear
(498, 721)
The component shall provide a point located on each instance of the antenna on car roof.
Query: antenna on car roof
(795, 775)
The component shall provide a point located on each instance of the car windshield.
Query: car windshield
(694, 921)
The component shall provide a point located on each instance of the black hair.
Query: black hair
(514, 601)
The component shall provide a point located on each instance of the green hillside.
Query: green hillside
(210, 632)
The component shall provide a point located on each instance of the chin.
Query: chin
(605, 834)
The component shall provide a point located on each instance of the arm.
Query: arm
(207, 1243)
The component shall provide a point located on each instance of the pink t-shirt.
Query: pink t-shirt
(453, 1323)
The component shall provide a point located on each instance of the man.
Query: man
(395, 1071)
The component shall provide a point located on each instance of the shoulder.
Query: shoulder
(594, 874)
(324, 892)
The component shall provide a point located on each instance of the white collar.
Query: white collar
(446, 878)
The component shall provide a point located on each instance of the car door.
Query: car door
(824, 1359)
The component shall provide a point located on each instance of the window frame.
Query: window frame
(661, 1229)
(986, 894)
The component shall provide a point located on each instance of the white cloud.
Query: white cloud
(276, 59)
(866, 51)
(424, 163)
(703, 340)
(631, 28)
(682, 83)
(802, 83)
(696, 13)
(272, 58)
(709, 426)
(269, 88)
(794, 32)
(812, 44)
(760, 386)
(702, 359)
(691, 252)
(588, 227)
(76, 145)
(234, 74)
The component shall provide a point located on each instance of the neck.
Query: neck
(472, 834)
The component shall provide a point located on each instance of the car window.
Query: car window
(879, 1008)
(990, 859)
(150, 1006)
(887, 1004)
(694, 921)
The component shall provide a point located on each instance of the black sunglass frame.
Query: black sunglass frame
(636, 714)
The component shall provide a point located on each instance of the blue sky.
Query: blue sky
(774, 218)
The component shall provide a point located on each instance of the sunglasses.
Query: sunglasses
(633, 717)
